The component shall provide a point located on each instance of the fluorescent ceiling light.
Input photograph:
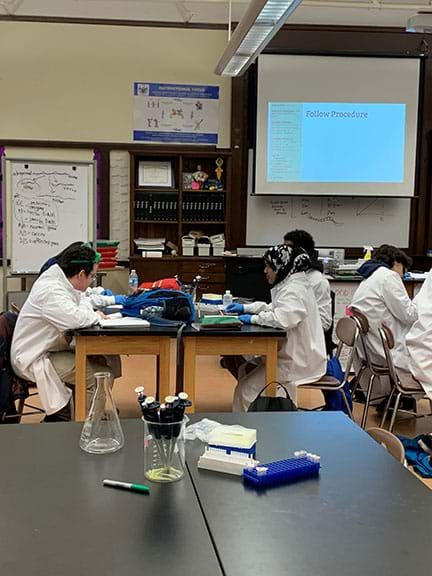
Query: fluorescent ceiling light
(261, 21)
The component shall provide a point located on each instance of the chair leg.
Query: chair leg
(345, 400)
(368, 397)
(20, 408)
(387, 407)
(395, 409)
(357, 380)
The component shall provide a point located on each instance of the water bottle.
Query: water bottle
(133, 281)
(326, 265)
(227, 299)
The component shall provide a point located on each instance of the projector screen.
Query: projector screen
(334, 126)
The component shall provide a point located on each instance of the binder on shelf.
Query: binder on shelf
(156, 207)
(203, 207)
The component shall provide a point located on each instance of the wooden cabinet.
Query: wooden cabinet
(211, 269)
(167, 203)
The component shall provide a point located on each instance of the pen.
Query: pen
(127, 486)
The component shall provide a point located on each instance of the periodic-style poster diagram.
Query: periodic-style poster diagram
(176, 113)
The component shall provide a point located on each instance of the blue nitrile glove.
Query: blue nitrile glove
(235, 308)
(245, 318)
(120, 299)
(107, 292)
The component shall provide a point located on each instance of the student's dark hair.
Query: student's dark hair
(390, 254)
(76, 258)
(301, 239)
(54, 259)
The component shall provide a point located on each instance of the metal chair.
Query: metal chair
(390, 442)
(347, 333)
(403, 383)
(365, 361)
(24, 408)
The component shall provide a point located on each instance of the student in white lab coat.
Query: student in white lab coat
(99, 297)
(40, 351)
(382, 297)
(302, 355)
(419, 338)
(319, 283)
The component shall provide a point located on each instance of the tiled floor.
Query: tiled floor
(214, 394)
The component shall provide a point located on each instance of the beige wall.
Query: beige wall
(75, 82)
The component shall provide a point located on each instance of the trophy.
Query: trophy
(218, 171)
(199, 178)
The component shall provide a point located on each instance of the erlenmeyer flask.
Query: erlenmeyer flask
(102, 432)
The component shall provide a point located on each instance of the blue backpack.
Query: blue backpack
(333, 400)
(161, 306)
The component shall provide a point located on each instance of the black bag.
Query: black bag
(175, 307)
(272, 404)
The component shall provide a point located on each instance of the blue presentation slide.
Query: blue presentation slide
(335, 142)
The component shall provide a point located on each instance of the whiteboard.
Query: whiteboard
(48, 206)
(336, 222)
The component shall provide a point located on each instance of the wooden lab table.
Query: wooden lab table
(251, 339)
(153, 340)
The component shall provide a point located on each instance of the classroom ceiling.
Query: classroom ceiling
(328, 12)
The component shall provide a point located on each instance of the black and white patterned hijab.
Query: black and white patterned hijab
(286, 260)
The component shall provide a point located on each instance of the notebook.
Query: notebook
(220, 322)
(123, 322)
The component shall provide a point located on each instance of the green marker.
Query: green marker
(127, 486)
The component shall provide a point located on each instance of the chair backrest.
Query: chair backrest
(361, 318)
(11, 387)
(388, 342)
(363, 323)
(14, 308)
(390, 442)
(388, 336)
(347, 332)
(328, 334)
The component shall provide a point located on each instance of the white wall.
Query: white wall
(75, 82)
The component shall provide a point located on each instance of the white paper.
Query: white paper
(123, 322)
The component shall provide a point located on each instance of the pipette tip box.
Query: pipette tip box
(234, 439)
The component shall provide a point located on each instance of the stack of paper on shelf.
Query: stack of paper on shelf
(151, 247)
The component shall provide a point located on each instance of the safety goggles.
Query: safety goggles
(95, 260)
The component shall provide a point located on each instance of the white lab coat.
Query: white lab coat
(384, 299)
(52, 307)
(419, 338)
(321, 289)
(302, 355)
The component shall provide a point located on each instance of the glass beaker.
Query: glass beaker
(102, 432)
(164, 450)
